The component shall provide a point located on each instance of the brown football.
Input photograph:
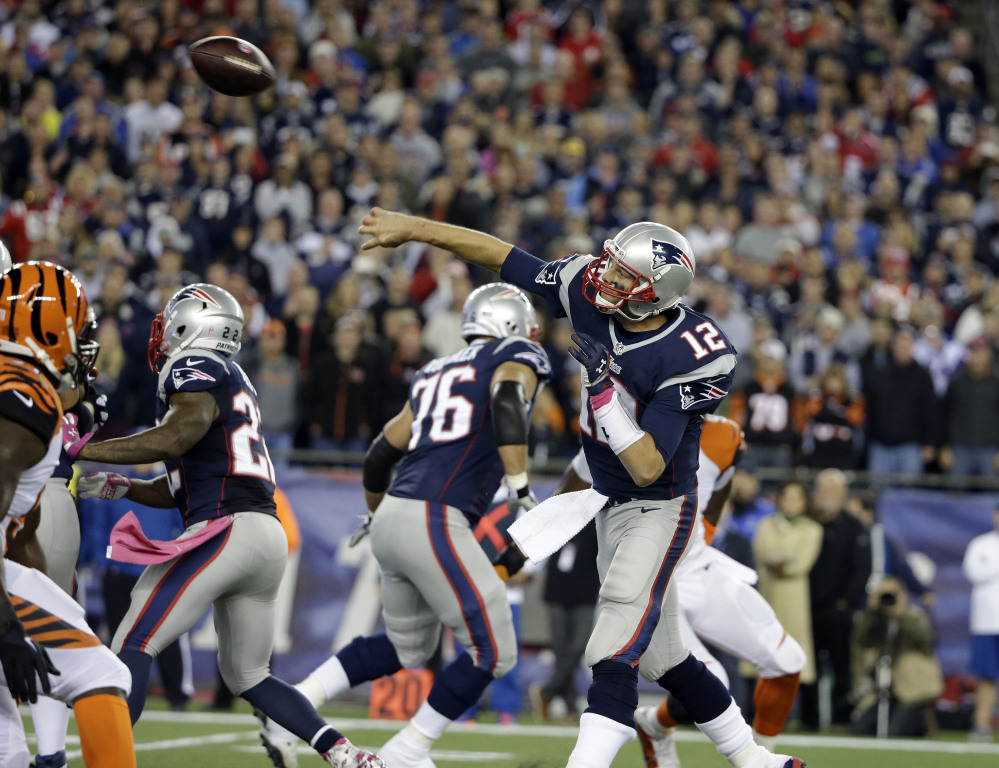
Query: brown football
(232, 66)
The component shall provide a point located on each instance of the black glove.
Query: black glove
(509, 562)
(24, 661)
(595, 360)
(98, 403)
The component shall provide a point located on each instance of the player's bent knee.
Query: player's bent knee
(610, 634)
(411, 658)
(788, 659)
(506, 661)
(238, 681)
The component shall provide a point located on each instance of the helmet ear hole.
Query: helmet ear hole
(51, 339)
(181, 329)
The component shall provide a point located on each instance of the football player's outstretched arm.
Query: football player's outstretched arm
(190, 416)
(389, 229)
(383, 453)
(151, 493)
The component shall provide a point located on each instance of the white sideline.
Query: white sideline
(570, 731)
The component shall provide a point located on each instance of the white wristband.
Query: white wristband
(617, 425)
(516, 482)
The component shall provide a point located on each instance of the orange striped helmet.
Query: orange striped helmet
(44, 315)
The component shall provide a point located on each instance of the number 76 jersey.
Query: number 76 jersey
(228, 470)
(452, 455)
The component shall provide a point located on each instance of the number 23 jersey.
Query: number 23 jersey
(452, 455)
(667, 378)
(228, 470)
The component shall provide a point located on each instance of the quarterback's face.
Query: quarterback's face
(617, 277)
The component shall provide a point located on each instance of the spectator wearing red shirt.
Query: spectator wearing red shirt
(27, 222)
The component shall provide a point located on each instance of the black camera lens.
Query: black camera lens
(888, 599)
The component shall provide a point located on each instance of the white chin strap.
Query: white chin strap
(604, 305)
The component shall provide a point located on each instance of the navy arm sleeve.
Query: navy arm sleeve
(668, 415)
(666, 423)
(535, 275)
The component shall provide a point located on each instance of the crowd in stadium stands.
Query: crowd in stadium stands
(834, 165)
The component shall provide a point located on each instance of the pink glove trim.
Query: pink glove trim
(603, 398)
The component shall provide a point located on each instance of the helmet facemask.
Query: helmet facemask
(621, 300)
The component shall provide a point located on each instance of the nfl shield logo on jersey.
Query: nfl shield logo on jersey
(664, 254)
(702, 391)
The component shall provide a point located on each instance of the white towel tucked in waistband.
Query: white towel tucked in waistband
(544, 530)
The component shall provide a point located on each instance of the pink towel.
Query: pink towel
(130, 545)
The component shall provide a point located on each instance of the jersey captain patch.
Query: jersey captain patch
(703, 391)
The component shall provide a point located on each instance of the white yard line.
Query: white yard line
(190, 741)
(553, 731)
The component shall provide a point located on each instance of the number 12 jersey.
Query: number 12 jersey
(228, 470)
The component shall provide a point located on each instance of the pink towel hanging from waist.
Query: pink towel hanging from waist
(130, 545)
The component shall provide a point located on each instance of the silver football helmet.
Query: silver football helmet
(6, 262)
(200, 316)
(499, 310)
(650, 266)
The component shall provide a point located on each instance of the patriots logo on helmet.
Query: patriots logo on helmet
(703, 391)
(197, 293)
(664, 254)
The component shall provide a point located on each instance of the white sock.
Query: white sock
(646, 717)
(327, 681)
(769, 743)
(51, 718)
(429, 723)
(598, 742)
(731, 735)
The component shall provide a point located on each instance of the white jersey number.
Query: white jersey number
(248, 449)
(709, 335)
(450, 415)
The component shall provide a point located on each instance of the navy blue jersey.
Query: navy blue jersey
(668, 378)
(452, 455)
(228, 470)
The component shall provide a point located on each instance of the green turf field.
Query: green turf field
(198, 739)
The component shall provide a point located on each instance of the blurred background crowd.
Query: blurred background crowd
(835, 166)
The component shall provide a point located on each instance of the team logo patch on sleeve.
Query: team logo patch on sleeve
(664, 254)
(703, 391)
(548, 275)
(535, 360)
(190, 372)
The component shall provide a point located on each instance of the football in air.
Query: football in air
(232, 66)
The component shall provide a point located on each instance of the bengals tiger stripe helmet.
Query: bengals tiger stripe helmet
(44, 315)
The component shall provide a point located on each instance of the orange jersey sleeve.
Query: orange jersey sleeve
(721, 439)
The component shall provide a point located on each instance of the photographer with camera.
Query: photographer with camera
(896, 673)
